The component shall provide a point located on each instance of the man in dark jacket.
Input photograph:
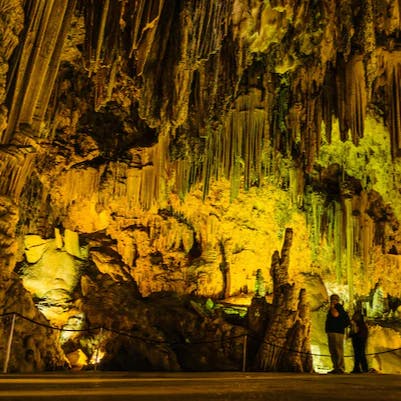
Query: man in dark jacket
(336, 322)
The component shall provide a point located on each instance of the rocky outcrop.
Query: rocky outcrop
(34, 343)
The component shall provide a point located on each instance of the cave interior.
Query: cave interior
(183, 180)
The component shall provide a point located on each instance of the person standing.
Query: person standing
(359, 337)
(337, 321)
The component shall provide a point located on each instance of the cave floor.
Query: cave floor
(222, 386)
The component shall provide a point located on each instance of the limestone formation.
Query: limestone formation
(286, 342)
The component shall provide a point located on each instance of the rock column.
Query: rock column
(286, 343)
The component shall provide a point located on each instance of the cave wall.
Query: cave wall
(178, 140)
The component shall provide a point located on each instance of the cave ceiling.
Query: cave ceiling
(170, 143)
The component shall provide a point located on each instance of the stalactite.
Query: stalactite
(356, 95)
(103, 46)
(218, 21)
(199, 32)
(239, 148)
(80, 185)
(38, 63)
(297, 186)
(202, 29)
(101, 33)
(392, 18)
(105, 21)
(393, 73)
(12, 22)
(328, 229)
(101, 85)
(184, 178)
(349, 244)
(312, 132)
(352, 97)
(13, 14)
(15, 173)
(133, 187)
(311, 104)
(16, 164)
(208, 164)
(23, 53)
(236, 175)
(367, 230)
(388, 83)
(338, 240)
(369, 45)
(317, 210)
(146, 16)
(328, 103)
(153, 176)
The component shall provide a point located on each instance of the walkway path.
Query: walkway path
(211, 386)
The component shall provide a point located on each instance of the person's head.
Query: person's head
(334, 299)
(357, 316)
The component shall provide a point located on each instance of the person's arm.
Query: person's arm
(353, 330)
(333, 310)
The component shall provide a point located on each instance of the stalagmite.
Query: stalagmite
(286, 342)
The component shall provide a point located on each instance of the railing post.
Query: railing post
(244, 356)
(97, 349)
(10, 340)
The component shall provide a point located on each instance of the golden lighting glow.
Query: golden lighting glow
(51, 275)
(97, 357)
